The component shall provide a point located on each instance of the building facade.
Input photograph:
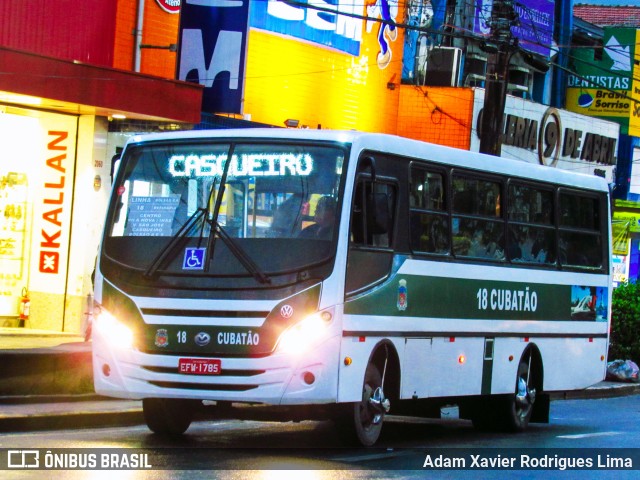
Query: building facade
(61, 92)
(606, 86)
(415, 69)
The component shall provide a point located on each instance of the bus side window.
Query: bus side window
(580, 231)
(478, 228)
(429, 221)
(372, 216)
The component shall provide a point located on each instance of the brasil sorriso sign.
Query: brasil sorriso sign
(604, 87)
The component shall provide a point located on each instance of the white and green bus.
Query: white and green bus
(347, 276)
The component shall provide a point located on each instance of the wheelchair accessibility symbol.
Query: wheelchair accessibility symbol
(193, 259)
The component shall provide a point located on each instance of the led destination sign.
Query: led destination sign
(257, 165)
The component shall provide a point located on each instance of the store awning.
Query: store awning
(37, 81)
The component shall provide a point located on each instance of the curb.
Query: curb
(53, 398)
(610, 390)
(71, 421)
(95, 411)
(46, 371)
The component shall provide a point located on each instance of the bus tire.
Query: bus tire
(168, 416)
(507, 413)
(520, 405)
(360, 422)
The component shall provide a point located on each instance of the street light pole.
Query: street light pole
(501, 46)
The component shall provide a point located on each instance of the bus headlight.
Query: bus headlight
(300, 337)
(116, 333)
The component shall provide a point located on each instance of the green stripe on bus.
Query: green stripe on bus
(442, 297)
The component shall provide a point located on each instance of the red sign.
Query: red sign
(49, 262)
(171, 6)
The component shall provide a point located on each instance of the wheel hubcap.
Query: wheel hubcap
(525, 396)
(374, 406)
(379, 402)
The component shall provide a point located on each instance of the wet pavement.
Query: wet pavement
(46, 383)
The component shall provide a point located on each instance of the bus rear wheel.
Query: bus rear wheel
(511, 412)
(520, 405)
(168, 416)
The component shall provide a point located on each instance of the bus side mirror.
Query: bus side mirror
(377, 213)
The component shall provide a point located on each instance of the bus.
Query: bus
(347, 276)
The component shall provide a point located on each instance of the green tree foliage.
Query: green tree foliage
(625, 323)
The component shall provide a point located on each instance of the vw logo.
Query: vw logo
(286, 311)
(202, 339)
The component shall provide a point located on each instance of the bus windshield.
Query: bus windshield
(274, 205)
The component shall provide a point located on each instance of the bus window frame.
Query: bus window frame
(434, 168)
(548, 226)
(506, 181)
(500, 180)
(600, 233)
(394, 213)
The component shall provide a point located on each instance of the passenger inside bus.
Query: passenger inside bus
(324, 218)
(287, 219)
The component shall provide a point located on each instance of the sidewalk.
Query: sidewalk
(46, 383)
(40, 362)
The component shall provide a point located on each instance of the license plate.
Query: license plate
(199, 366)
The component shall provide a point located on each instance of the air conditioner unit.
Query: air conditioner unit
(519, 81)
(441, 67)
(475, 70)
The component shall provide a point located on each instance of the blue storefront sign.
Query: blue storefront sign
(321, 23)
(213, 39)
(535, 29)
(426, 18)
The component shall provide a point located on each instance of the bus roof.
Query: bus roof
(397, 145)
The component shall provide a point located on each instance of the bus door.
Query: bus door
(372, 228)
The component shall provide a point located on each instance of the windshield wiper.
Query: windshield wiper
(193, 220)
(217, 231)
(242, 256)
(179, 235)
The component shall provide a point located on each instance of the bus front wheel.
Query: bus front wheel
(168, 416)
(363, 420)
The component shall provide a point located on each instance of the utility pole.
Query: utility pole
(501, 46)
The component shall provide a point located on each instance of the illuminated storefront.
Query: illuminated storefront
(55, 169)
(36, 191)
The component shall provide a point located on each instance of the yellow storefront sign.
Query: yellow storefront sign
(600, 102)
(634, 114)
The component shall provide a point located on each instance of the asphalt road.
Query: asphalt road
(230, 449)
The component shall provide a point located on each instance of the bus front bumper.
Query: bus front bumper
(278, 379)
